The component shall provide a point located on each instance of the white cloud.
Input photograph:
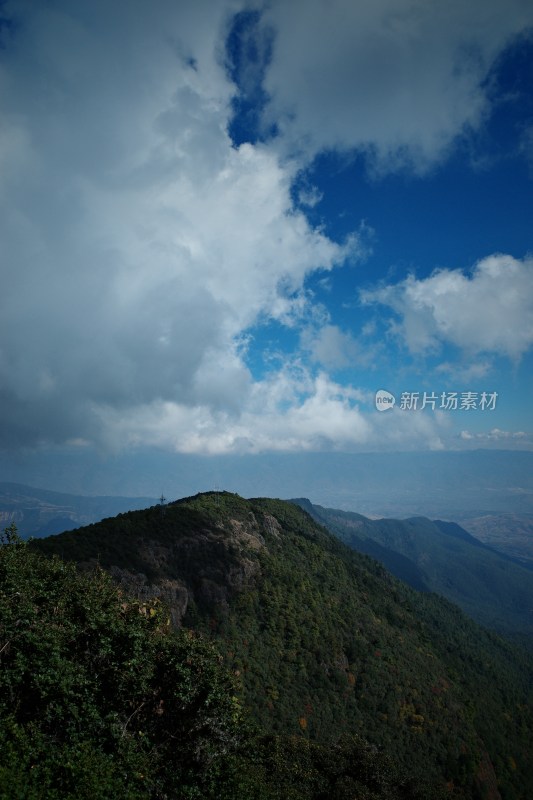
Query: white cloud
(400, 80)
(138, 243)
(497, 438)
(495, 433)
(333, 348)
(465, 372)
(288, 411)
(309, 196)
(489, 312)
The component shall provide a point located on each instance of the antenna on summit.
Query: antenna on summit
(162, 501)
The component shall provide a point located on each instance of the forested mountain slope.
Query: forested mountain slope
(441, 557)
(324, 642)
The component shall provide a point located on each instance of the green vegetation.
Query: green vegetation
(98, 698)
(442, 557)
(353, 680)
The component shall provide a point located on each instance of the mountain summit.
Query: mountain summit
(323, 641)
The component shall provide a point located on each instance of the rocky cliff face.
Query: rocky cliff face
(213, 561)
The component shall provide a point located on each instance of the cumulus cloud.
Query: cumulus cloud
(290, 410)
(399, 80)
(138, 243)
(490, 311)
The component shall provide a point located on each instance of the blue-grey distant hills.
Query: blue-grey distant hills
(38, 512)
(453, 485)
(442, 557)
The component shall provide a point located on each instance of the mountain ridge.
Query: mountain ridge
(439, 556)
(324, 641)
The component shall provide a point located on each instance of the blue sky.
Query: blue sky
(226, 225)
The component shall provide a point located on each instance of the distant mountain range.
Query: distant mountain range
(442, 557)
(451, 485)
(38, 512)
(324, 642)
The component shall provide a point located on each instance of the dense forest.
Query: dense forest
(100, 698)
(284, 665)
(493, 588)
